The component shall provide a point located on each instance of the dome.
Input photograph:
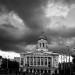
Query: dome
(43, 37)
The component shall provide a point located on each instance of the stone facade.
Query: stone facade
(40, 60)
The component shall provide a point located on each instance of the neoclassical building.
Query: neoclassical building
(41, 60)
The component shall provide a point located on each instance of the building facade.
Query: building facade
(40, 60)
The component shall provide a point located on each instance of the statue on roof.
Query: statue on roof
(43, 36)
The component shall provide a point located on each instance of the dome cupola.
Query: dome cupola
(42, 43)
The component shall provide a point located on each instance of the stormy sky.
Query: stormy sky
(22, 22)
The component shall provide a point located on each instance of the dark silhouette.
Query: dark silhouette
(9, 66)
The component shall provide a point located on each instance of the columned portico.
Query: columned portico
(39, 61)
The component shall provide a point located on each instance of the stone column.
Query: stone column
(36, 70)
(47, 61)
(41, 45)
(26, 59)
(47, 71)
(32, 71)
(24, 62)
(40, 61)
(33, 61)
(44, 61)
(66, 58)
(36, 61)
(52, 72)
(52, 62)
(43, 71)
(29, 70)
(29, 61)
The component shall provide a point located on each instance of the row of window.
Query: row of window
(38, 60)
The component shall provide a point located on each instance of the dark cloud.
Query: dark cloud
(30, 11)
(65, 33)
(69, 2)
(27, 10)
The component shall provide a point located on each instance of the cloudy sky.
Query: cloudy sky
(22, 22)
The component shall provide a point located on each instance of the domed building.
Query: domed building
(41, 60)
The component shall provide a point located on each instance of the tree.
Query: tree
(11, 66)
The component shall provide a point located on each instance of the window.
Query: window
(45, 61)
(38, 60)
(43, 44)
(49, 61)
(31, 60)
(41, 60)
(21, 61)
(34, 60)
(28, 60)
(40, 44)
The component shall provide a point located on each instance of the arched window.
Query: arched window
(43, 44)
(40, 44)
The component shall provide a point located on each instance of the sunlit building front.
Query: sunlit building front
(40, 60)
